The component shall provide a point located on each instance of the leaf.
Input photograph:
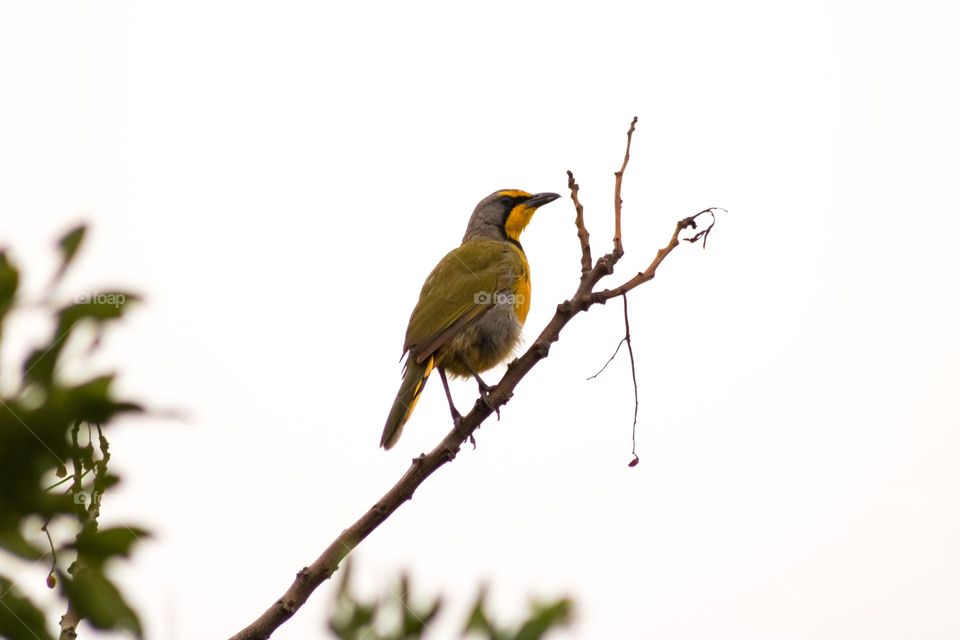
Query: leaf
(98, 546)
(107, 481)
(39, 365)
(69, 243)
(478, 620)
(97, 305)
(415, 620)
(91, 401)
(20, 618)
(352, 620)
(12, 541)
(99, 601)
(546, 617)
(9, 281)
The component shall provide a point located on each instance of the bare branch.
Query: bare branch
(633, 372)
(703, 233)
(651, 271)
(617, 184)
(604, 367)
(586, 260)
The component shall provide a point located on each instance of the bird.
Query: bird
(472, 306)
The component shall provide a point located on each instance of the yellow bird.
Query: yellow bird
(472, 305)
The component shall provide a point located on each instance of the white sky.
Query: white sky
(278, 178)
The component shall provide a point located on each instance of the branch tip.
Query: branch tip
(617, 186)
(586, 258)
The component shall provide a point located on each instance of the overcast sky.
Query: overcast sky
(278, 179)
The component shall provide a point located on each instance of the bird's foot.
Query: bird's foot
(485, 398)
(485, 391)
(458, 422)
(458, 427)
(484, 388)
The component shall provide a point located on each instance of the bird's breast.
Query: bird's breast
(521, 287)
(522, 297)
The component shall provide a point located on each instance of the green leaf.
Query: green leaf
(69, 243)
(98, 546)
(9, 281)
(39, 365)
(415, 620)
(99, 601)
(35, 447)
(107, 481)
(12, 540)
(352, 620)
(546, 617)
(91, 401)
(20, 619)
(478, 620)
(97, 305)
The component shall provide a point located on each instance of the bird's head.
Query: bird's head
(503, 214)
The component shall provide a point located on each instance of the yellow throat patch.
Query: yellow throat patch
(519, 217)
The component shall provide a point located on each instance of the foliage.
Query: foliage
(54, 460)
(395, 616)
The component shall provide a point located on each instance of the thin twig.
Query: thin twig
(586, 260)
(615, 352)
(633, 372)
(703, 233)
(51, 578)
(617, 185)
(651, 270)
(67, 479)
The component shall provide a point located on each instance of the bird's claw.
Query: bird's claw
(457, 424)
(466, 435)
(485, 397)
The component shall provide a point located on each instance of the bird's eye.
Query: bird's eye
(506, 200)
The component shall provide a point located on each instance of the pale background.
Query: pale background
(278, 178)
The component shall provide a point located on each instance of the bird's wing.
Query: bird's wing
(457, 292)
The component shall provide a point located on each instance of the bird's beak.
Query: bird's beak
(540, 199)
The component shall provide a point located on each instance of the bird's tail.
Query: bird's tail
(414, 377)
